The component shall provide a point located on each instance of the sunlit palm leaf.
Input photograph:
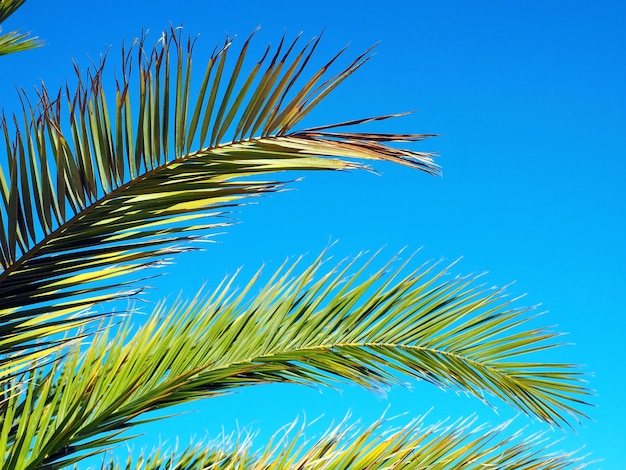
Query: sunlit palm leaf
(14, 41)
(416, 446)
(96, 188)
(17, 42)
(224, 454)
(369, 327)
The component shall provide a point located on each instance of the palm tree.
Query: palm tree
(97, 188)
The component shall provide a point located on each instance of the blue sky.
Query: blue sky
(530, 103)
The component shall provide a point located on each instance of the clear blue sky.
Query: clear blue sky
(530, 100)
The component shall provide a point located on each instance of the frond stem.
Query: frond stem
(98, 203)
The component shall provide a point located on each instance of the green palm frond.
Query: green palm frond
(97, 188)
(223, 454)
(14, 41)
(365, 326)
(461, 444)
(8, 7)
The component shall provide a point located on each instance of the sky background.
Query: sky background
(530, 103)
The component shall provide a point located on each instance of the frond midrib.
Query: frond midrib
(31, 253)
(370, 344)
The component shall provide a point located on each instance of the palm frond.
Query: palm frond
(8, 7)
(369, 327)
(231, 452)
(14, 41)
(98, 188)
(461, 444)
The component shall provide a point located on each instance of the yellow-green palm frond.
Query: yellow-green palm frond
(14, 41)
(231, 452)
(372, 327)
(462, 444)
(97, 187)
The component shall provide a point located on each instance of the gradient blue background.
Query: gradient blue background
(530, 100)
